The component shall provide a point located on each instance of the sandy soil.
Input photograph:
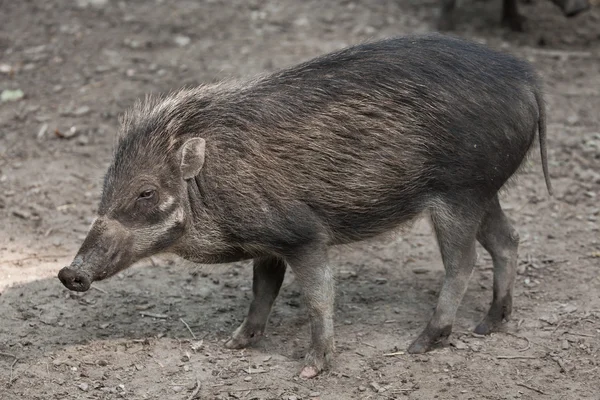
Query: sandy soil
(81, 63)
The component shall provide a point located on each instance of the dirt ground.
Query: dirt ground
(81, 63)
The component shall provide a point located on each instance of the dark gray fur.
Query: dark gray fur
(338, 149)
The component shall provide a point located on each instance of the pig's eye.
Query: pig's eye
(146, 194)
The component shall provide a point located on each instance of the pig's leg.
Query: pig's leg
(317, 284)
(455, 228)
(266, 282)
(572, 7)
(511, 16)
(499, 238)
(446, 18)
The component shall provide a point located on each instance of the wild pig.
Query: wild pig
(510, 12)
(338, 149)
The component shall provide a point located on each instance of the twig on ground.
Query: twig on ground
(188, 328)
(152, 315)
(12, 366)
(580, 334)
(558, 325)
(100, 289)
(530, 388)
(516, 357)
(196, 390)
(396, 353)
(242, 390)
(521, 337)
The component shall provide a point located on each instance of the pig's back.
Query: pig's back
(368, 136)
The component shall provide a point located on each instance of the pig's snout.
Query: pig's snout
(74, 279)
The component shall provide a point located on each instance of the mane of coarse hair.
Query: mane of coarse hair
(157, 123)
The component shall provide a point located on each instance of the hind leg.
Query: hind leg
(499, 238)
(455, 227)
(446, 18)
(511, 16)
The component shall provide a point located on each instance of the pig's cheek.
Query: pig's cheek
(156, 237)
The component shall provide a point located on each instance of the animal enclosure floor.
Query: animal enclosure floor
(156, 331)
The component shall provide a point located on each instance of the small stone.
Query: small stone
(181, 40)
(11, 95)
(375, 386)
(42, 132)
(248, 378)
(83, 386)
(381, 281)
(102, 363)
(361, 388)
(23, 214)
(459, 344)
(81, 111)
(565, 345)
(177, 389)
(420, 271)
(292, 398)
(93, 3)
(5, 69)
(66, 135)
(569, 308)
(314, 394)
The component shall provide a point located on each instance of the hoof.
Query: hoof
(483, 328)
(309, 371)
(575, 7)
(516, 24)
(429, 338)
(419, 347)
(243, 337)
(233, 343)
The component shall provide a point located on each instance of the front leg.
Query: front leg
(266, 282)
(317, 284)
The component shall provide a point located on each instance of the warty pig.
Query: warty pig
(338, 149)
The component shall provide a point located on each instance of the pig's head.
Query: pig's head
(144, 205)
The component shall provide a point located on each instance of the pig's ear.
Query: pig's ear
(192, 157)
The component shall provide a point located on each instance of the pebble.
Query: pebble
(5, 69)
(11, 95)
(181, 40)
(81, 111)
(565, 345)
(83, 386)
(93, 3)
(314, 394)
(42, 132)
(460, 345)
